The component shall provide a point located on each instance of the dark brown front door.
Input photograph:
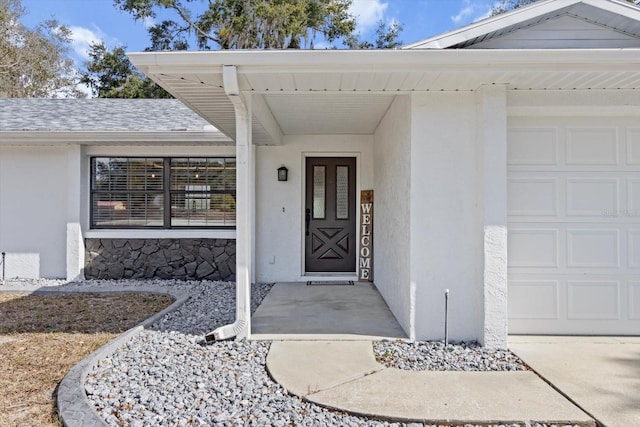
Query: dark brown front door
(330, 215)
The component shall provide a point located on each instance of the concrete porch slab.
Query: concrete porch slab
(295, 311)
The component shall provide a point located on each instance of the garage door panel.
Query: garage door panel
(594, 299)
(534, 299)
(574, 226)
(531, 304)
(634, 299)
(592, 146)
(633, 146)
(533, 248)
(533, 147)
(633, 238)
(533, 196)
(587, 248)
(592, 196)
(593, 248)
(573, 196)
(574, 327)
(633, 197)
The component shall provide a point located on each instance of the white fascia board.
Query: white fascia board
(325, 61)
(620, 7)
(115, 138)
(519, 16)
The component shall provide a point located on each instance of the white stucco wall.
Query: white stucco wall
(492, 143)
(75, 240)
(33, 210)
(279, 205)
(391, 155)
(446, 217)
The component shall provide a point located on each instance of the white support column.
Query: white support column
(492, 127)
(75, 241)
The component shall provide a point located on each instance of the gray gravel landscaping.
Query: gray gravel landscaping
(167, 376)
(435, 356)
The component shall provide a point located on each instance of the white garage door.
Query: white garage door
(574, 226)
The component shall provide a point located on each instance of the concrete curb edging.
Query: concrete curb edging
(73, 407)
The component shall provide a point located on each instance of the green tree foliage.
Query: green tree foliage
(167, 35)
(228, 24)
(273, 24)
(256, 24)
(110, 74)
(34, 61)
(386, 38)
(507, 5)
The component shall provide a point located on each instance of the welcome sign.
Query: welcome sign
(365, 252)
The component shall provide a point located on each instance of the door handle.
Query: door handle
(307, 219)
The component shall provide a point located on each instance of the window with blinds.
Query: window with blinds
(144, 192)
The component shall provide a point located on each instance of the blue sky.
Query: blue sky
(94, 20)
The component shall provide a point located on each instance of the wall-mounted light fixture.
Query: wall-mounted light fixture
(283, 173)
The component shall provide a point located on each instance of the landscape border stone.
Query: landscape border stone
(72, 403)
(73, 406)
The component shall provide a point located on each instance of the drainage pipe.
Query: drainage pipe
(244, 209)
(227, 332)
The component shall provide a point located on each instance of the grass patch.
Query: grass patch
(43, 336)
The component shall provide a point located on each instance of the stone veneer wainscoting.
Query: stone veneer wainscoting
(187, 259)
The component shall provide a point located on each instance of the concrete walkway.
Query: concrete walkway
(600, 374)
(344, 375)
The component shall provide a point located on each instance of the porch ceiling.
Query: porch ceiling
(347, 92)
(328, 113)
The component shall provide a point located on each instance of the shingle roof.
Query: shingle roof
(95, 115)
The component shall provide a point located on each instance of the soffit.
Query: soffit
(204, 94)
(300, 104)
(329, 92)
(322, 113)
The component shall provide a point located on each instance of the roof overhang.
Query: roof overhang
(113, 138)
(618, 15)
(348, 92)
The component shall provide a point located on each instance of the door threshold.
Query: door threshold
(341, 277)
(330, 282)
